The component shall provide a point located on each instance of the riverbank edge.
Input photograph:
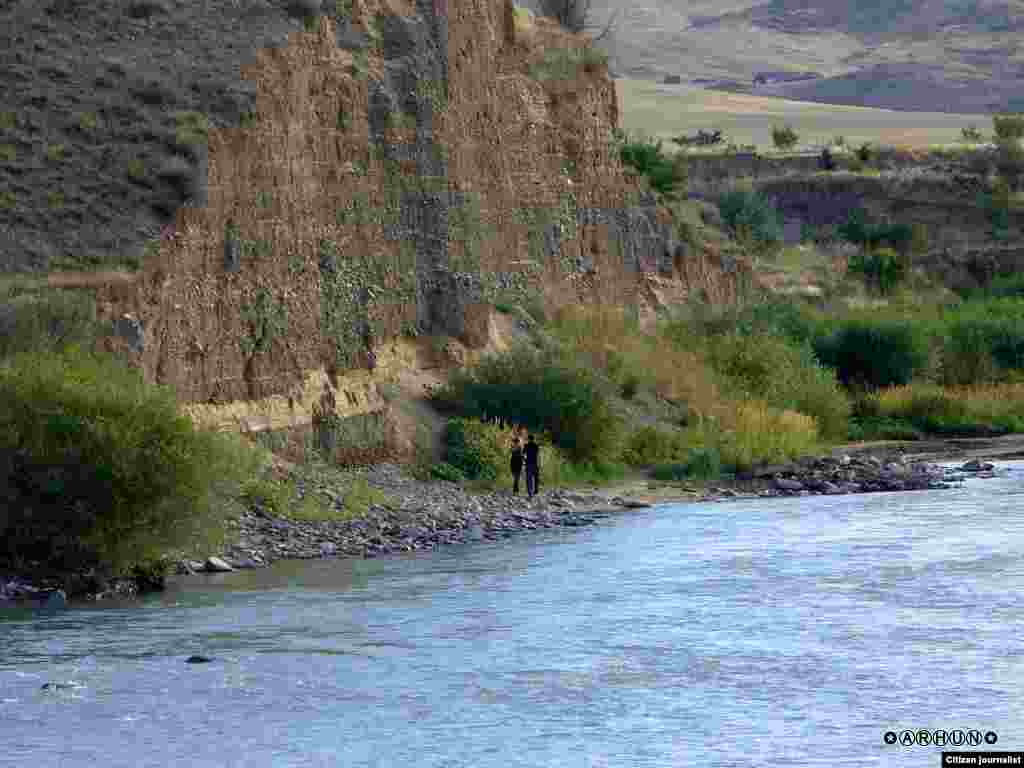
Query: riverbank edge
(430, 514)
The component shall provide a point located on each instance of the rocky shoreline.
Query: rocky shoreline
(425, 515)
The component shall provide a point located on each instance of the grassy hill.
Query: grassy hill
(917, 55)
(666, 111)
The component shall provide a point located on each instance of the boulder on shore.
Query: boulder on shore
(216, 565)
(785, 484)
(977, 466)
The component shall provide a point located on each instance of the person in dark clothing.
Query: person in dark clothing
(517, 464)
(532, 456)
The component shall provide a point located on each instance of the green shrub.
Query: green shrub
(88, 121)
(566, 63)
(785, 376)
(983, 338)
(99, 469)
(966, 354)
(784, 137)
(1008, 127)
(191, 128)
(750, 217)
(857, 229)
(937, 412)
(700, 464)
(543, 394)
(470, 450)
(704, 463)
(651, 445)
(997, 203)
(1010, 162)
(1006, 286)
(136, 169)
(630, 386)
(445, 471)
(971, 134)
(770, 316)
(46, 321)
(864, 154)
(665, 172)
(882, 268)
(873, 354)
(882, 428)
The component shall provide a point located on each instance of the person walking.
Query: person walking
(517, 464)
(532, 456)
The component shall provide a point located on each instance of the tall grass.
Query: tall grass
(979, 409)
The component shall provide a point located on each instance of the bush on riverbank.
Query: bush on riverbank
(963, 411)
(479, 452)
(100, 470)
(982, 341)
(537, 390)
(720, 410)
(873, 354)
(785, 376)
(44, 321)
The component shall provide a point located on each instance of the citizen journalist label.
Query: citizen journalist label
(968, 759)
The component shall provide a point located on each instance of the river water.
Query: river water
(796, 630)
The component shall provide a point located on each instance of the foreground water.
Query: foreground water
(793, 630)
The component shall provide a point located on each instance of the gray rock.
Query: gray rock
(55, 600)
(634, 504)
(977, 466)
(198, 659)
(328, 549)
(785, 484)
(245, 563)
(673, 79)
(57, 686)
(827, 487)
(216, 565)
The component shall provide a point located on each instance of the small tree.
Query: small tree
(665, 172)
(1010, 162)
(785, 137)
(882, 268)
(1008, 127)
(971, 134)
(751, 218)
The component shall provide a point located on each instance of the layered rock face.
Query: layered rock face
(407, 167)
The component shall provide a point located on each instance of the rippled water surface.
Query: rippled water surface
(794, 630)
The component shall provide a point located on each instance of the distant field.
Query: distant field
(668, 110)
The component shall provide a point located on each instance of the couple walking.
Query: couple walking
(531, 454)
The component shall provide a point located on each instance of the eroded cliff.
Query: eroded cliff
(406, 167)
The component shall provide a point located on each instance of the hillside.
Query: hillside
(323, 184)
(916, 55)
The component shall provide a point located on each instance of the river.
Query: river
(796, 630)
